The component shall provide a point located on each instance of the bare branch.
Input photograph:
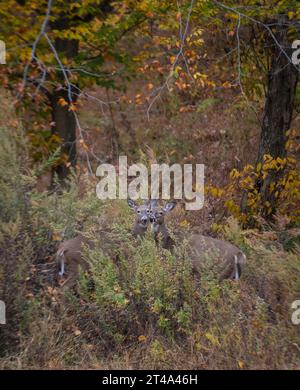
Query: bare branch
(37, 39)
(182, 34)
(260, 23)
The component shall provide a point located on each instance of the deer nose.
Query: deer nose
(152, 219)
(144, 219)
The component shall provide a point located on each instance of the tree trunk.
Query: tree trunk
(65, 121)
(282, 82)
(64, 118)
(65, 129)
(279, 104)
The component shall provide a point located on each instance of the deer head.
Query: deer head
(157, 213)
(142, 217)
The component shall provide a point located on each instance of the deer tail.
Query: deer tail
(239, 261)
(61, 261)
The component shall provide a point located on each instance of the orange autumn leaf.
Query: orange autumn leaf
(83, 144)
(72, 107)
(62, 102)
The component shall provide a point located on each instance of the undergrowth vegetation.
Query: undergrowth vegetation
(140, 306)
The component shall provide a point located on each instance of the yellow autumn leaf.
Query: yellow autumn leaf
(258, 167)
(213, 339)
(56, 237)
(291, 160)
(234, 15)
(83, 144)
(227, 84)
(234, 174)
(267, 158)
(142, 338)
(184, 223)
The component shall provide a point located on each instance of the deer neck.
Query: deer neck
(161, 233)
(138, 230)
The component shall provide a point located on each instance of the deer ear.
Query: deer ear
(169, 206)
(131, 203)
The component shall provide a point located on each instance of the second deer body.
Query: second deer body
(228, 259)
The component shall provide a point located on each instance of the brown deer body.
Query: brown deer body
(69, 256)
(70, 252)
(226, 257)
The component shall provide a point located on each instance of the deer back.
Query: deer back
(71, 250)
(225, 257)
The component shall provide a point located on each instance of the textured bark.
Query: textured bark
(279, 107)
(279, 104)
(65, 129)
(278, 111)
(65, 122)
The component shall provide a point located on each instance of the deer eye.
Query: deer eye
(139, 211)
(148, 211)
(160, 213)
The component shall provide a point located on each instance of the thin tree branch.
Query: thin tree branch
(37, 39)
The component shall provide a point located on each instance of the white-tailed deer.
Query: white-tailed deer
(228, 258)
(69, 254)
